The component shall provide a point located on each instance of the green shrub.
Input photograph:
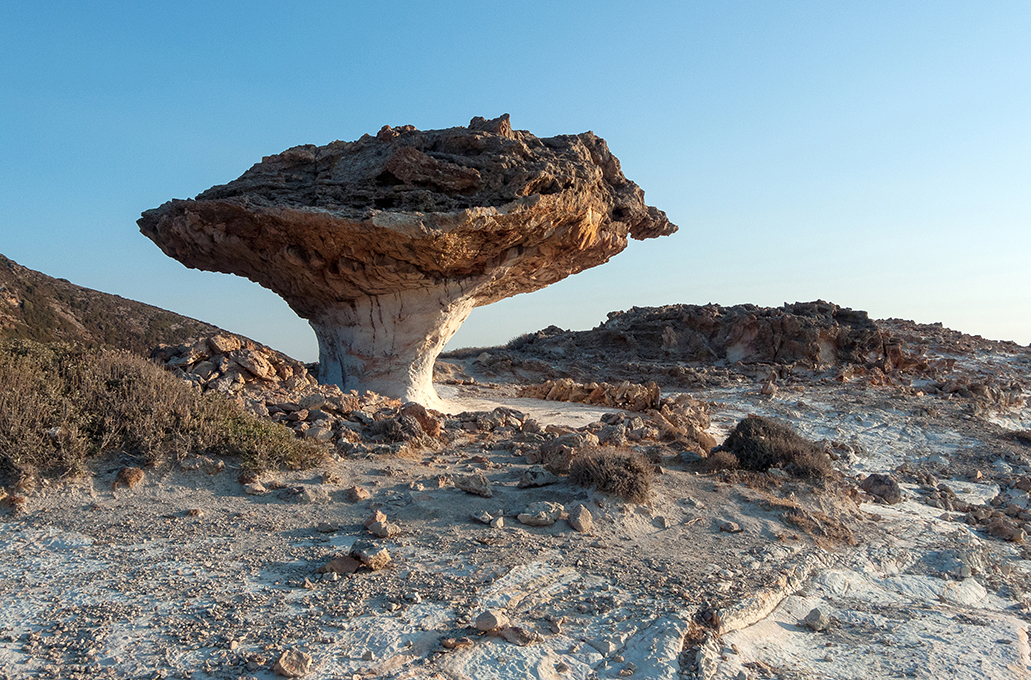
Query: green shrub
(61, 405)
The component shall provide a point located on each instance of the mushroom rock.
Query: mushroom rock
(387, 243)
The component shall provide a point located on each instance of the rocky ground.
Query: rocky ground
(199, 571)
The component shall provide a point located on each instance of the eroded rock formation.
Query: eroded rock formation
(386, 244)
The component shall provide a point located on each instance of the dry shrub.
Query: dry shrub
(621, 473)
(61, 405)
(760, 443)
(721, 460)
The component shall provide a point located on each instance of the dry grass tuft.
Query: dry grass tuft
(624, 474)
(62, 405)
(758, 444)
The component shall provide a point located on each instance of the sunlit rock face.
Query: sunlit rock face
(387, 243)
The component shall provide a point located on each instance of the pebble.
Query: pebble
(293, 664)
(731, 527)
(580, 519)
(492, 619)
(817, 621)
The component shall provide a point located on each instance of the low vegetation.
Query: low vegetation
(62, 405)
(621, 473)
(758, 444)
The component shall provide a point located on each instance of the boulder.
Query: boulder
(387, 243)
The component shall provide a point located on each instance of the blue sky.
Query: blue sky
(874, 154)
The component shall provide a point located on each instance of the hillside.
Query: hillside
(38, 307)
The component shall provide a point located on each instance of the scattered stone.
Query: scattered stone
(127, 477)
(457, 643)
(816, 620)
(194, 512)
(483, 517)
(331, 478)
(357, 494)
(1006, 530)
(731, 527)
(327, 527)
(293, 664)
(377, 516)
(581, 520)
(535, 476)
(369, 655)
(604, 645)
(497, 523)
(661, 522)
(518, 635)
(312, 494)
(384, 529)
(884, 487)
(541, 514)
(477, 484)
(373, 556)
(254, 489)
(413, 597)
(492, 619)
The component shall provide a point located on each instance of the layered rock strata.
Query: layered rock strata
(387, 243)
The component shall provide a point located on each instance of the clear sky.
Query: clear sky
(873, 154)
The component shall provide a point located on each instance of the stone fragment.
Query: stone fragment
(340, 565)
(731, 527)
(384, 529)
(483, 517)
(293, 664)
(327, 527)
(254, 489)
(518, 635)
(377, 516)
(536, 475)
(456, 643)
(1006, 529)
(492, 619)
(425, 226)
(497, 523)
(884, 487)
(312, 494)
(541, 514)
(357, 494)
(816, 620)
(581, 520)
(429, 424)
(373, 556)
(477, 484)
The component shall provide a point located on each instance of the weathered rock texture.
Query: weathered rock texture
(386, 244)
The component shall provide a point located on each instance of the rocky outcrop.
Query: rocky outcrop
(804, 332)
(386, 244)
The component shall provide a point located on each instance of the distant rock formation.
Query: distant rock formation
(38, 307)
(386, 244)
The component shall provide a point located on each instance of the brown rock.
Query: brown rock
(492, 619)
(375, 517)
(541, 514)
(425, 226)
(427, 422)
(293, 664)
(358, 493)
(340, 565)
(384, 529)
(373, 556)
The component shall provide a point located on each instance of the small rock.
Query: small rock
(293, 664)
(384, 529)
(254, 489)
(541, 514)
(340, 565)
(581, 520)
(413, 597)
(358, 493)
(373, 556)
(731, 527)
(456, 643)
(327, 527)
(661, 522)
(312, 494)
(816, 620)
(331, 478)
(604, 645)
(535, 476)
(519, 636)
(492, 619)
(194, 512)
(497, 522)
(477, 484)
(377, 516)
(883, 487)
(369, 655)
(483, 517)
